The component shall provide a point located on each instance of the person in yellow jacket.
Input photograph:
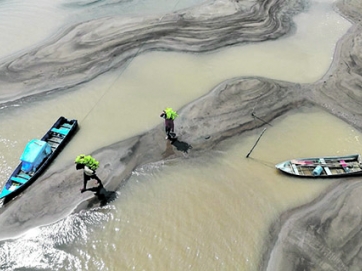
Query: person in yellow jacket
(89, 166)
(169, 115)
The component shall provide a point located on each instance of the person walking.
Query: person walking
(169, 115)
(89, 166)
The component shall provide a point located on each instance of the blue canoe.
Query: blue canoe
(37, 156)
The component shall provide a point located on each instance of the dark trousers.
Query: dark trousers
(169, 126)
(86, 178)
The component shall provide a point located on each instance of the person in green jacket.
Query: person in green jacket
(169, 115)
(89, 166)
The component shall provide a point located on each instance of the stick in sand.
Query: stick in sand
(256, 143)
(260, 119)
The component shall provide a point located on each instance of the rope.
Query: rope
(125, 67)
(109, 88)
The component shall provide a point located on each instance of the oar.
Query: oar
(256, 143)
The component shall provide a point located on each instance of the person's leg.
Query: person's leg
(97, 178)
(172, 126)
(166, 125)
(95, 189)
(169, 128)
(172, 133)
(86, 178)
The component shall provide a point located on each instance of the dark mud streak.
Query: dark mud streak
(319, 236)
(326, 234)
(89, 49)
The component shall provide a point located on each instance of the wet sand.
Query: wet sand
(87, 50)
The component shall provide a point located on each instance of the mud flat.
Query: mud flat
(326, 234)
(89, 49)
(83, 51)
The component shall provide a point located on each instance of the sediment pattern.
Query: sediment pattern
(84, 51)
(324, 235)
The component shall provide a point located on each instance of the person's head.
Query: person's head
(79, 166)
(79, 161)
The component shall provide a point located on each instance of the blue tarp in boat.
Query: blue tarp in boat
(34, 153)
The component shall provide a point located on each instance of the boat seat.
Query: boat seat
(61, 131)
(66, 125)
(295, 169)
(18, 180)
(24, 176)
(326, 169)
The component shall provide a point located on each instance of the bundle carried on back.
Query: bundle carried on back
(170, 114)
(88, 161)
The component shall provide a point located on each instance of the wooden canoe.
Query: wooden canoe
(37, 156)
(323, 167)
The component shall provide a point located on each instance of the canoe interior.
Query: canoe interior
(325, 167)
(57, 137)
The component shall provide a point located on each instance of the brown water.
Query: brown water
(209, 213)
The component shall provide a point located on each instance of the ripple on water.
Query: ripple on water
(59, 246)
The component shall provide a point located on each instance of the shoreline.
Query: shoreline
(315, 236)
(226, 112)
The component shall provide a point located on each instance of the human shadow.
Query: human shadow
(180, 145)
(104, 196)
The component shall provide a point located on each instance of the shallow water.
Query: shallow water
(196, 214)
(24, 24)
(208, 213)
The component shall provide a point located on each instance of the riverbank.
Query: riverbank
(84, 51)
(89, 49)
(325, 234)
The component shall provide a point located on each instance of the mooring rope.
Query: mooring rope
(125, 67)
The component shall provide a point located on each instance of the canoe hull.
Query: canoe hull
(323, 167)
(57, 137)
